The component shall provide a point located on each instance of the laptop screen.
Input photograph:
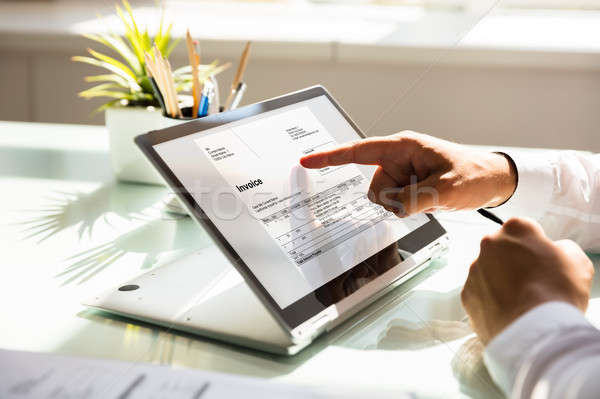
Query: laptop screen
(303, 234)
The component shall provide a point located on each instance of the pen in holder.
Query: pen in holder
(125, 123)
(208, 104)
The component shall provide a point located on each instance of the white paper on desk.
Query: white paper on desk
(38, 375)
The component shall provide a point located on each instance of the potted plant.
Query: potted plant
(133, 108)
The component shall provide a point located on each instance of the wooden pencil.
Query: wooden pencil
(162, 70)
(171, 83)
(155, 67)
(239, 74)
(194, 62)
(151, 72)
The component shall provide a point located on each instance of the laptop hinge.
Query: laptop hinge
(315, 327)
(320, 322)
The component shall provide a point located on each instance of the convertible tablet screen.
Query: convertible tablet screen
(296, 229)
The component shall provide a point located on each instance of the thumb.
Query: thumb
(413, 198)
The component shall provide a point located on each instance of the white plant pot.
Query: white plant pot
(123, 124)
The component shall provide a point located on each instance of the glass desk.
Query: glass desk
(68, 231)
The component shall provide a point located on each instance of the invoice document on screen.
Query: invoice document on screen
(321, 219)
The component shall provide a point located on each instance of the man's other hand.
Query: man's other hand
(519, 268)
(419, 173)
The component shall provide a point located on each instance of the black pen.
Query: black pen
(158, 96)
(489, 215)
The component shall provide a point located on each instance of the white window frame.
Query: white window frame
(478, 4)
(552, 4)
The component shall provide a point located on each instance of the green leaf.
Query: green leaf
(147, 41)
(91, 92)
(162, 20)
(130, 12)
(201, 68)
(133, 86)
(106, 106)
(127, 79)
(205, 72)
(143, 97)
(107, 93)
(132, 35)
(123, 18)
(171, 47)
(108, 78)
(112, 61)
(184, 86)
(96, 38)
(104, 86)
(162, 41)
(216, 70)
(184, 69)
(138, 48)
(122, 48)
(117, 44)
(146, 85)
(118, 95)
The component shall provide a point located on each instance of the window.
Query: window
(553, 4)
(478, 4)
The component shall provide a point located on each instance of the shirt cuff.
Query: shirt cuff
(504, 355)
(535, 186)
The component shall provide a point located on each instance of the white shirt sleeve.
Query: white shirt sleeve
(562, 191)
(552, 351)
(533, 353)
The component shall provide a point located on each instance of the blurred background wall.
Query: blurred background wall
(496, 96)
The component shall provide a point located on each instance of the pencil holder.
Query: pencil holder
(213, 107)
(124, 124)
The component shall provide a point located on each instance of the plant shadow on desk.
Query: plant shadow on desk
(159, 232)
(178, 237)
(66, 209)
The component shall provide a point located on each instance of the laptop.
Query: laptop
(294, 252)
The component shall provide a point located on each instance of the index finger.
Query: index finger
(366, 152)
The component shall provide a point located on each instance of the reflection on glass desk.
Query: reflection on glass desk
(68, 230)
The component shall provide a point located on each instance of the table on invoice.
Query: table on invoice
(69, 230)
(309, 239)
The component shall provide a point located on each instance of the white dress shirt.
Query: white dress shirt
(552, 351)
